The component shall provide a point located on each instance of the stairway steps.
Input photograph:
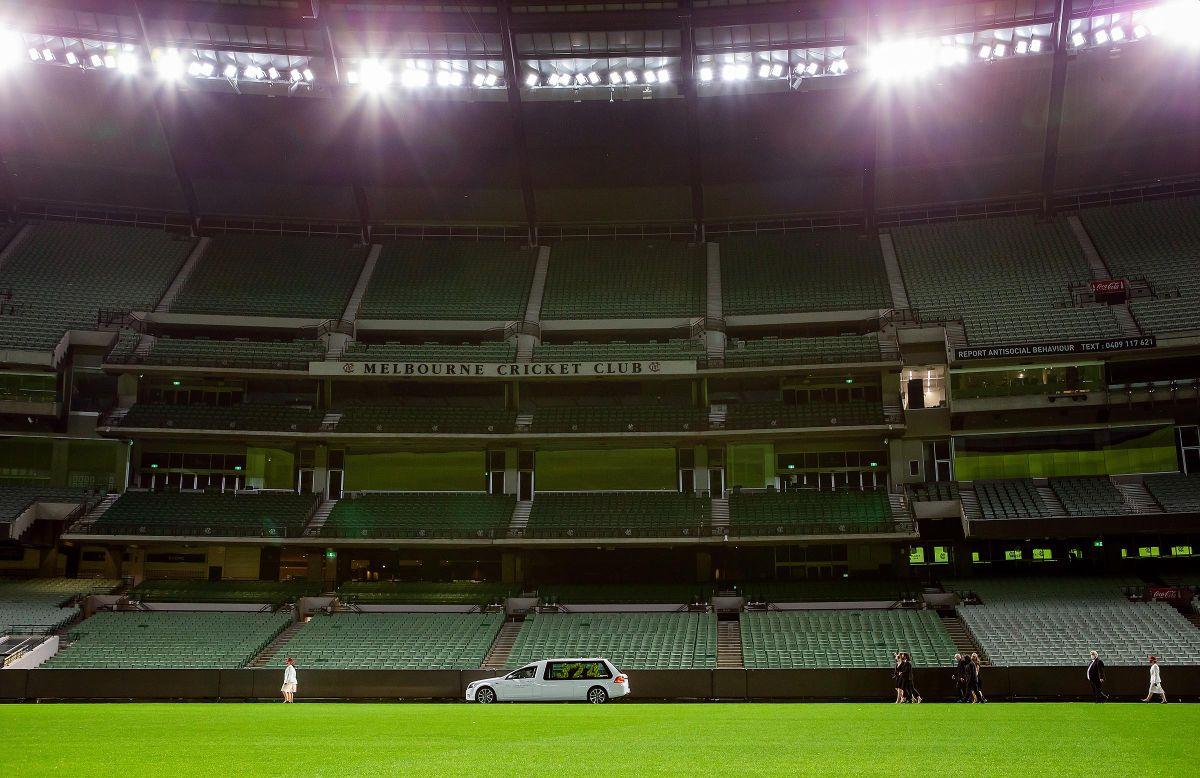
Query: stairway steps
(1053, 505)
(267, 654)
(964, 641)
(895, 278)
(90, 518)
(729, 645)
(497, 655)
(1138, 499)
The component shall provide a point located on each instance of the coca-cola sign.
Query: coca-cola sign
(1172, 594)
(1109, 285)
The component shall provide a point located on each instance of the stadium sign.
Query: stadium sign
(1062, 348)
(483, 370)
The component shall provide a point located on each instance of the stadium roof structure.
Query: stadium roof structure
(520, 116)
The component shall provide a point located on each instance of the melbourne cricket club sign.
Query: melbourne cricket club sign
(484, 370)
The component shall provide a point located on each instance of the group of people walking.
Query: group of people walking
(1095, 676)
(968, 679)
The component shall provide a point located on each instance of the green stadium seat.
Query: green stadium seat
(815, 413)
(624, 279)
(392, 641)
(450, 279)
(241, 353)
(426, 419)
(273, 275)
(423, 593)
(247, 416)
(618, 418)
(1015, 498)
(267, 592)
(1158, 241)
(800, 272)
(228, 514)
(1007, 279)
(420, 515)
(828, 639)
(618, 514)
(1089, 496)
(809, 512)
(55, 285)
(491, 351)
(175, 640)
(631, 641)
(40, 605)
(802, 351)
(619, 351)
(1175, 493)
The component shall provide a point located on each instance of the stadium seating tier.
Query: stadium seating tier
(820, 639)
(631, 641)
(624, 279)
(269, 514)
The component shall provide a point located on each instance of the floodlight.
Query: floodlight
(664, 76)
(456, 78)
(812, 68)
(1178, 21)
(128, 64)
(375, 75)
(477, 80)
(580, 79)
(272, 73)
(614, 78)
(764, 70)
(1078, 39)
(110, 61)
(296, 75)
(414, 78)
(985, 52)
(553, 79)
(491, 79)
(532, 80)
(231, 72)
(168, 65)
(1022, 47)
(207, 69)
(72, 59)
(706, 75)
(97, 61)
(308, 75)
(593, 77)
(776, 70)
(1117, 34)
(1140, 31)
(1101, 37)
(253, 72)
(897, 59)
(35, 55)
(1035, 45)
(839, 67)
(649, 77)
(630, 77)
(48, 55)
(999, 50)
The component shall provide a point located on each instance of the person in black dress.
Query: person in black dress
(961, 678)
(897, 681)
(906, 676)
(975, 677)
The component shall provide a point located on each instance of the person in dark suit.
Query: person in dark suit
(907, 680)
(961, 676)
(1095, 676)
(897, 681)
(975, 678)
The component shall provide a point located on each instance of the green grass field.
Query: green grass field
(629, 739)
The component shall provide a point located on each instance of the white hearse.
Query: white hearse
(592, 680)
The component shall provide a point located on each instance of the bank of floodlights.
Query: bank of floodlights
(1177, 21)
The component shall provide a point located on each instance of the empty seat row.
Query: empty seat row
(203, 352)
(619, 350)
(631, 641)
(802, 351)
(624, 279)
(267, 514)
(806, 511)
(618, 514)
(820, 639)
(418, 515)
(488, 351)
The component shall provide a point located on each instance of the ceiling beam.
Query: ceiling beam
(517, 125)
(687, 74)
(181, 175)
(1054, 110)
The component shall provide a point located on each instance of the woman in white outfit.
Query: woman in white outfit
(1155, 681)
(289, 680)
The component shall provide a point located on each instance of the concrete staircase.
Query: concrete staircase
(533, 305)
(970, 503)
(320, 516)
(330, 421)
(181, 278)
(713, 301)
(720, 512)
(90, 518)
(520, 517)
(1051, 501)
(17, 239)
(899, 506)
(964, 641)
(956, 336)
(267, 654)
(1094, 260)
(1128, 324)
(892, 265)
(729, 644)
(1138, 499)
(497, 655)
(364, 280)
(716, 416)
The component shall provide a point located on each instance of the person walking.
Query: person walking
(1095, 676)
(1156, 686)
(897, 680)
(961, 678)
(289, 680)
(909, 683)
(975, 678)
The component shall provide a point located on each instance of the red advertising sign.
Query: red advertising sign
(1176, 595)
(1109, 285)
